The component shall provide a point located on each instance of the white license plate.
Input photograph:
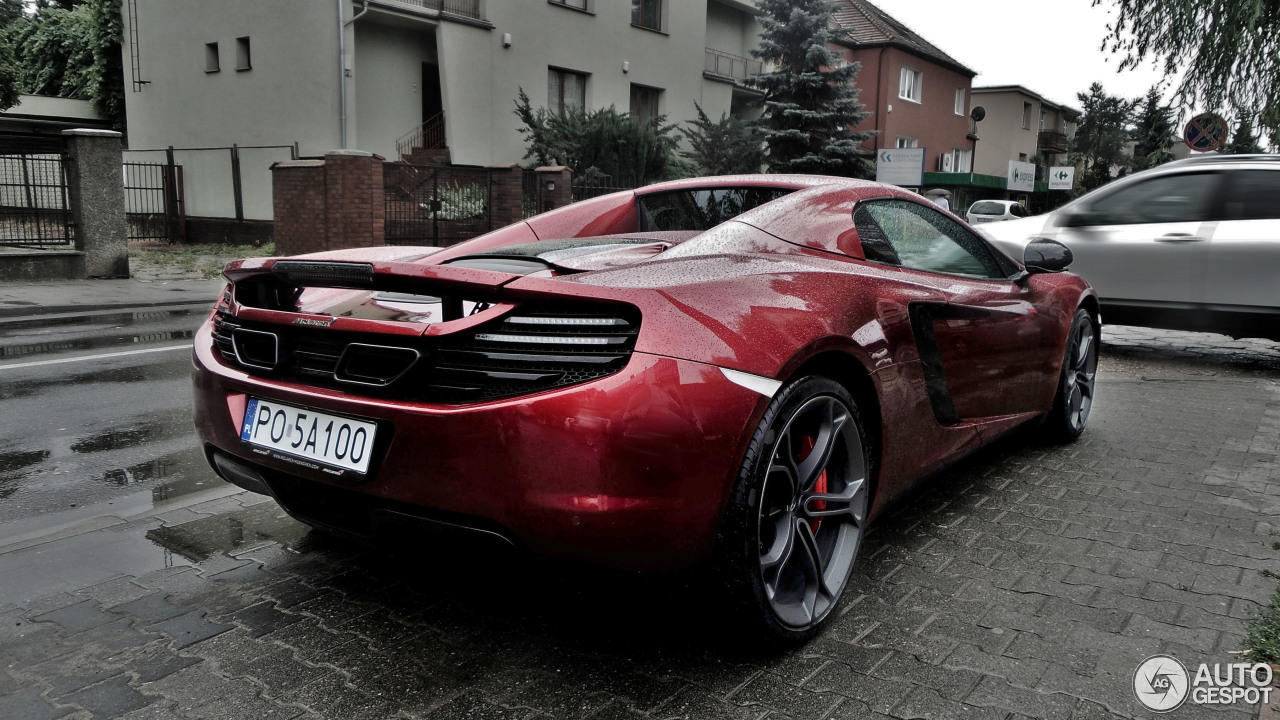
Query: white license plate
(309, 437)
(981, 219)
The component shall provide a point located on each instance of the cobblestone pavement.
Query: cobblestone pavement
(1027, 582)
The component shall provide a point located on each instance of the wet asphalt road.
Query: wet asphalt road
(95, 411)
(1026, 582)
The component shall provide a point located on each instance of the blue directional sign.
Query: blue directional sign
(1205, 132)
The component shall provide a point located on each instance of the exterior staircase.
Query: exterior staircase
(425, 144)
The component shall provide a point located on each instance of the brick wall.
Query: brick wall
(328, 204)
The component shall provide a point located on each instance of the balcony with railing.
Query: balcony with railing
(1052, 141)
(460, 8)
(728, 66)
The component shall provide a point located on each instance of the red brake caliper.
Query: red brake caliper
(819, 487)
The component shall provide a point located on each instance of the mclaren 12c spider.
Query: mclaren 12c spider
(742, 371)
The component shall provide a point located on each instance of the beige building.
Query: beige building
(365, 75)
(1020, 125)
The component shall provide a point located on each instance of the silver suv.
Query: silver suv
(1192, 244)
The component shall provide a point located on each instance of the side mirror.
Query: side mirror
(1043, 255)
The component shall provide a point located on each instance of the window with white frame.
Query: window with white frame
(908, 142)
(575, 4)
(910, 84)
(960, 160)
(960, 100)
(1026, 116)
(1042, 118)
(566, 89)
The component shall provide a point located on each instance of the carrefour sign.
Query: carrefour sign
(900, 166)
(1022, 176)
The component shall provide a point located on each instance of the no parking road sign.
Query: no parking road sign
(1205, 132)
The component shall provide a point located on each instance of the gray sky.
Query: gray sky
(1049, 47)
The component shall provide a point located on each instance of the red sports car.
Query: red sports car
(742, 370)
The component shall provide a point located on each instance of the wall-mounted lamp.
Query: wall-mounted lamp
(506, 40)
(626, 66)
(551, 186)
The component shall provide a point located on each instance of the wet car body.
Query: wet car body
(625, 456)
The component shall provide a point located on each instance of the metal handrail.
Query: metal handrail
(461, 8)
(719, 62)
(427, 136)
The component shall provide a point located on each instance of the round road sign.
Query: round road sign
(1205, 132)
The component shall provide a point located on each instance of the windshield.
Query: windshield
(701, 209)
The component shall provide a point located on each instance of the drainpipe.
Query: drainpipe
(342, 67)
(880, 82)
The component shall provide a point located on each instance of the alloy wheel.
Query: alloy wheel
(812, 510)
(1080, 375)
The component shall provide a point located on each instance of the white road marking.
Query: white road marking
(100, 356)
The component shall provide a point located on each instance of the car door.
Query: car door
(986, 350)
(1146, 240)
(1243, 267)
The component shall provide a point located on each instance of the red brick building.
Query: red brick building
(918, 96)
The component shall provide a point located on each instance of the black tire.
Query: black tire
(1077, 381)
(789, 585)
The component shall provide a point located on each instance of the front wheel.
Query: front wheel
(1076, 382)
(795, 520)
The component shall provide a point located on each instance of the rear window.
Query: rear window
(701, 209)
(1252, 195)
(987, 208)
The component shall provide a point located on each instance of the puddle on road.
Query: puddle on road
(169, 426)
(201, 539)
(94, 343)
(13, 461)
(120, 320)
(14, 466)
(173, 368)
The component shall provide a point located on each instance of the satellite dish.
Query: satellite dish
(978, 113)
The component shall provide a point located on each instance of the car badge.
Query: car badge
(312, 322)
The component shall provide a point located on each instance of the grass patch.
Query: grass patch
(207, 260)
(1264, 633)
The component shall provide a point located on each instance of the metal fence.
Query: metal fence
(528, 194)
(435, 205)
(153, 200)
(588, 187)
(34, 209)
(463, 8)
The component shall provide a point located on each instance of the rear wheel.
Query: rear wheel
(1076, 383)
(795, 520)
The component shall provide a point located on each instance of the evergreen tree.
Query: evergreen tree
(1245, 139)
(810, 101)
(631, 152)
(1153, 131)
(728, 147)
(1227, 51)
(1098, 146)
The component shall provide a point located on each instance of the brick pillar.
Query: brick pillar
(95, 192)
(328, 204)
(506, 195)
(555, 187)
(355, 205)
(297, 196)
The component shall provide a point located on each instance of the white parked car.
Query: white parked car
(1190, 245)
(989, 211)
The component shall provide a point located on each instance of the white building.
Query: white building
(363, 75)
